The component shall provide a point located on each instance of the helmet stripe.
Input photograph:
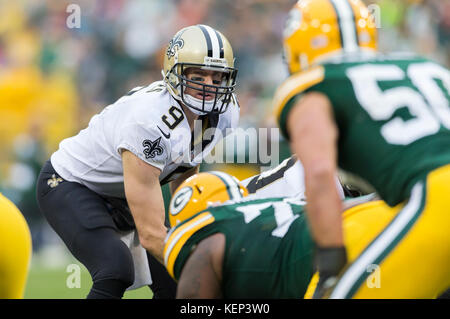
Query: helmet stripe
(347, 26)
(338, 21)
(215, 41)
(212, 38)
(208, 40)
(355, 26)
(219, 38)
(232, 187)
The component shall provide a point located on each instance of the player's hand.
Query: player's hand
(329, 262)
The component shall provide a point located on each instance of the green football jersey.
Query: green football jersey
(392, 112)
(268, 250)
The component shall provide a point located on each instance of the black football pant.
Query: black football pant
(81, 218)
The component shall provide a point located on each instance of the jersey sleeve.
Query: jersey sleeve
(146, 143)
(289, 91)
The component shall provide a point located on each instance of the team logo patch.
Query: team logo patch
(180, 200)
(152, 148)
(175, 44)
(54, 181)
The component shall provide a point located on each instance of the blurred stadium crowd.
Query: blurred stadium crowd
(54, 78)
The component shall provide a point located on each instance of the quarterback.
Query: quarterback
(384, 118)
(107, 179)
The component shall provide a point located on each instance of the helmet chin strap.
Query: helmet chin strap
(190, 100)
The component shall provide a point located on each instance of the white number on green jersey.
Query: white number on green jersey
(282, 212)
(430, 107)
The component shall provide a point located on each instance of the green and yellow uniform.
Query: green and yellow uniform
(388, 135)
(268, 250)
(393, 116)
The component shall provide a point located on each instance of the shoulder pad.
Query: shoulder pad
(295, 85)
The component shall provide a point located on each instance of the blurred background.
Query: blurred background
(54, 78)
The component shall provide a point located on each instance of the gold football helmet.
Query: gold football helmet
(318, 29)
(200, 46)
(200, 191)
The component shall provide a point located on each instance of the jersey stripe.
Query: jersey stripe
(294, 85)
(381, 246)
(178, 238)
(347, 27)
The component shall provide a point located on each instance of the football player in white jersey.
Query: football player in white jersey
(285, 180)
(107, 179)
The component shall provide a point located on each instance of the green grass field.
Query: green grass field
(46, 282)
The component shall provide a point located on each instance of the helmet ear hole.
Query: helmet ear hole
(199, 190)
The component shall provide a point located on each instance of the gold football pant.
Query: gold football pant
(15, 250)
(401, 251)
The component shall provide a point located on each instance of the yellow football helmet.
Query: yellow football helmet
(202, 47)
(200, 191)
(318, 29)
(16, 250)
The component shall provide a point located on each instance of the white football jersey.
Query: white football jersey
(285, 180)
(151, 124)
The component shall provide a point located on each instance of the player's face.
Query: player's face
(207, 77)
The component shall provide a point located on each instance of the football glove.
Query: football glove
(329, 262)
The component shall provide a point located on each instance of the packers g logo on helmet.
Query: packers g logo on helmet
(319, 29)
(202, 190)
(180, 200)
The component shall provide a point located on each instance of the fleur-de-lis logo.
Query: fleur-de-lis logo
(54, 181)
(175, 44)
(152, 148)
